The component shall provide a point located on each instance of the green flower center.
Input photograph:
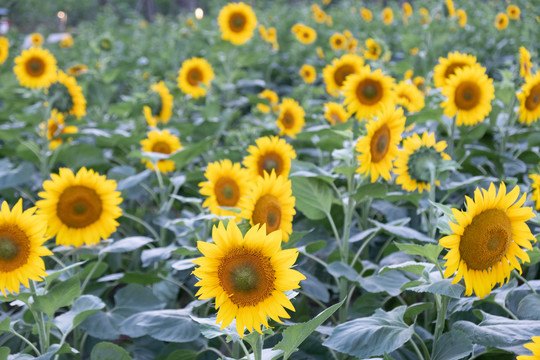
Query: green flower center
(8, 248)
(244, 277)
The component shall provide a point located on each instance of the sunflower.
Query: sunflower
(237, 22)
(247, 275)
(338, 41)
(462, 17)
(451, 8)
(529, 100)
(308, 73)
(366, 14)
(408, 74)
(352, 46)
(413, 162)
(227, 186)
(305, 34)
(378, 149)
(194, 77)
(320, 53)
(536, 189)
(56, 127)
(387, 15)
(80, 209)
(77, 70)
(407, 10)
(501, 21)
(4, 49)
(163, 111)
(525, 63)
(409, 96)
(335, 113)
(487, 239)
(513, 12)
(271, 203)
(469, 93)
(335, 74)
(35, 68)
(36, 39)
(448, 66)
(291, 117)
(373, 50)
(419, 82)
(66, 96)
(66, 42)
(162, 142)
(22, 235)
(271, 154)
(272, 98)
(367, 92)
(534, 346)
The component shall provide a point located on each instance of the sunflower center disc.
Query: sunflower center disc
(451, 69)
(341, 74)
(288, 120)
(267, 211)
(35, 67)
(244, 277)
(237, 22)
(467, 95)
(369, 92)
(194, 77)
(533, 100)
(270, 164)
(8, 248)
(79, 206)
(421, 161)
(227, 192)
(485, 241)
(161, 147)
(380, 142)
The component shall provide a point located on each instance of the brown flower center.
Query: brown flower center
(35, 66)
(287, 120)
(79, 206)
(533, 100)
(161, 147)
(467, 95)
(267, 211)
(341, 74)
(14, 248)
(237, 22)
(485, 241)
(194, 76)
(227, 192)
(369, 92)
(270, 161)
(380, 143)
(451, 69)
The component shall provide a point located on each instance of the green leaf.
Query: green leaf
(210, 330)
(373, 190)
(183, 355)
(58, 296)
(5, 325)
(534, 256)
(429, 251)
(14, 177)
(453, 345)
(410, 266)
(133, 180)
(313, 197)
(416, 309)
(441, 287)
(79, 155)
(126, 245)
(294, 335)
(108, 351)
(529, 307)
(390, 282)
(313, 247)
(190, 152)
(381, 333)
(82, 307)
(4, 352)
(403, 232)
(53, 275)
(338, 269)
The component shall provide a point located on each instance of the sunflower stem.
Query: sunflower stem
(524, 281)
(243, 346)
(506, 129)
(423, 345)
(432, 222)
(92, 271)
(257, 347)
(26, 341)
(441, 318)
(451, 138)
(143, 223)
(40, 323)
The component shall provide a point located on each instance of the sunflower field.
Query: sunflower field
(327, 180)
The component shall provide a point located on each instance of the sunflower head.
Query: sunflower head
(22, 235)
(529, 100)
(4, 49)
(335, 113)
(35, 68)
(367, 92)
(237, 21)
(55, 127)
(76, 70)
(487, 239)
(80, 208)
(448, 66)
(513, 12)
(336, 73)
(66, 42)
(535, 184)
(469, 94)
(304, 34)
(247, 275)
(407, 9)
(338, 41)
(308, 73)
(270, 154)
(373, 49)
(501, 21)
(66, 96)
(414, 163)
(462, 17)
(162, 142)
(387, 15)
(525, 63)
(162, 109)
(36, 39)
(272, 98)
(291, 117)
(367, 15)
(450, 7)
(409, 96)
(194, 77)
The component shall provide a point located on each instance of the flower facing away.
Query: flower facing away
(163, 111)
(414, 162)
(36, 39)
(525, 63)
(487, 239)
(501, 21)
(4, 49)
(247, 276)
(35, 68)
(66, 96)
(534, 347)
(536, 189)
(529, 100)
(271, 154)
(308, 73)
(79, 208)
(367, 92)
(291, 117)
(271, 203)
(162, 142)
(76, 70)
(22, 235)
(335, 113)
(194, 77)
(448, 66)
(469, 93)
(227, 185)
(378, 149)
(237, 21)
(409, 96)
(56, 127)
(336, 73)
(272, 98)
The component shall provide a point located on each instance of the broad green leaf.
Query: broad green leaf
(5, 325)
(416, 309)
(133, 180)
(183, 355)
(410, 266)
(381, 333)
(294, 238)
(339, 269)
(82, 307)
(294, 335)
(313, 197)
(373, 190)
(210, 330)
(441, 287)
(54, 274)
(126, 245)
(190, 152)
(4, 352)
(313, 247)
(389, 282)
(453, 345)
(403, 232)
(429, 251)
(17, 176)
(108, 351)
(79, 155)
(529, 307)
(58, 296)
